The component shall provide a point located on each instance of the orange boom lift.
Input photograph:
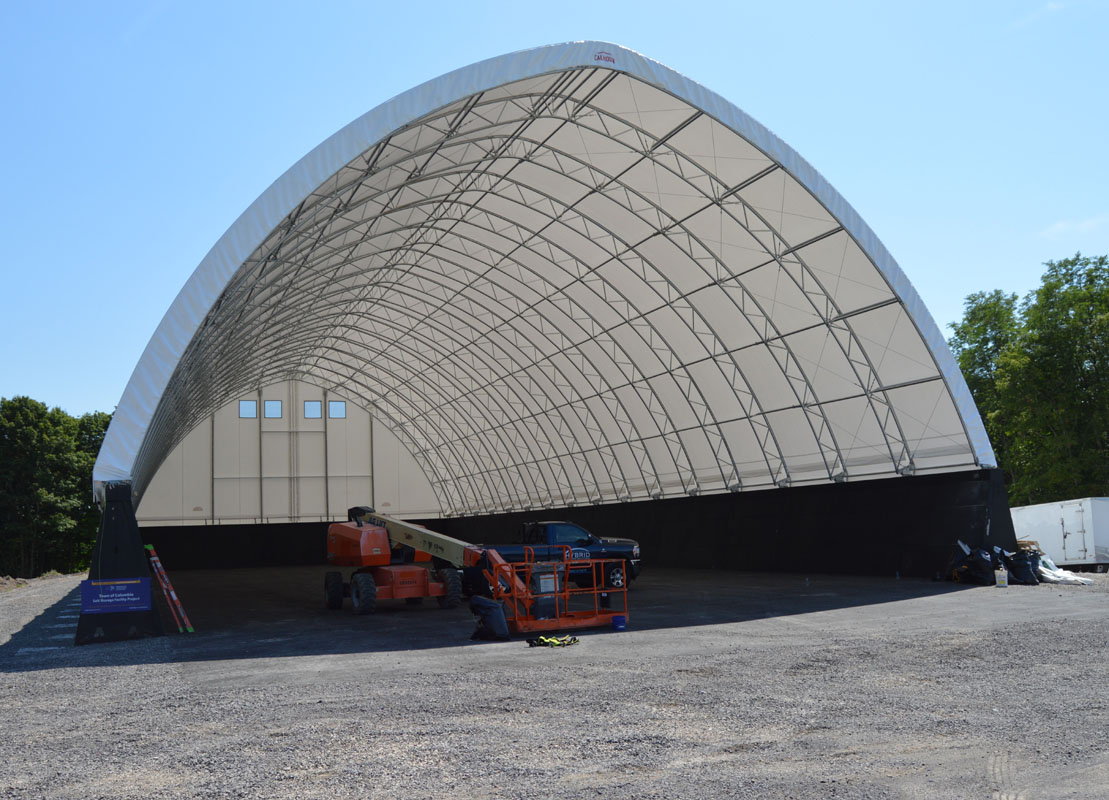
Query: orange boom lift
(396, 560)
(385, 569)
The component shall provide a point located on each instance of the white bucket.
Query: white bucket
(1003, 577)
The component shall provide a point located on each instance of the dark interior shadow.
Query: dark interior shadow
(278, 612)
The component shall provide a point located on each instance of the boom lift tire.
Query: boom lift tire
(452, 587)
(333, 590)
(363, 593)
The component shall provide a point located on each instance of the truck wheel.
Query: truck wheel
(363, 593)
(617, 576)
(333, 590)
(452, 584)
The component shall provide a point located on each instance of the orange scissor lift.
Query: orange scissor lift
(537, 596)
(541, 596)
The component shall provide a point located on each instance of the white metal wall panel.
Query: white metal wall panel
(295, 486)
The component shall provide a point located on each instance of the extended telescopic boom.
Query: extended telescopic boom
(438, 545)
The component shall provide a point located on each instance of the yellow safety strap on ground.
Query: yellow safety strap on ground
(553, 641)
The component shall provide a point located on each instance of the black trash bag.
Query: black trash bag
(491, 623)
(982, 567)
(972, 566)
(999, 557)
(1022, 567)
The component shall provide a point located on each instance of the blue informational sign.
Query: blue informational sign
(120, 594)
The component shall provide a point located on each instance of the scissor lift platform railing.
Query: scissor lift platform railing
(544, 595)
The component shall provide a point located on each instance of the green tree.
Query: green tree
(1040, 376)
(91, 428)
(990, 326)
(1055, 385)
(47, 519)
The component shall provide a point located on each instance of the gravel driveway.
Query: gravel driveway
(724, 685)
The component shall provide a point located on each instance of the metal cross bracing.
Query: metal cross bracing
(469, 244)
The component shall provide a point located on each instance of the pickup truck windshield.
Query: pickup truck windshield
(567, 533)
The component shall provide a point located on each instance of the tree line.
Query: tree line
(48, 519)
(1038, 369)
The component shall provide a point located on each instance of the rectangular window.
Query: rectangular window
(313, 409)
(337, 409)
(272, 409)
(248, 409)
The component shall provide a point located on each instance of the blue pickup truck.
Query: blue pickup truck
(547, 540)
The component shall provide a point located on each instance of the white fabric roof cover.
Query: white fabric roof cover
(566, 275)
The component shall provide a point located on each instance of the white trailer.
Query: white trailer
(1075, 533)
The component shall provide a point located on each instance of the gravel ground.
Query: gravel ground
(724, 685)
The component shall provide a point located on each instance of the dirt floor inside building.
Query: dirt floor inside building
(725, 684)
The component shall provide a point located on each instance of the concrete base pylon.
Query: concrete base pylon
(118, 555)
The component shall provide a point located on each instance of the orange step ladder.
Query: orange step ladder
(175, 607)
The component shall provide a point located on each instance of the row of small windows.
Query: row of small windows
(313, 409)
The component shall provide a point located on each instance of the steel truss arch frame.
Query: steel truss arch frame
(240, 281)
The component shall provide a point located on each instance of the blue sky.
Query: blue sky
(970, 136)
